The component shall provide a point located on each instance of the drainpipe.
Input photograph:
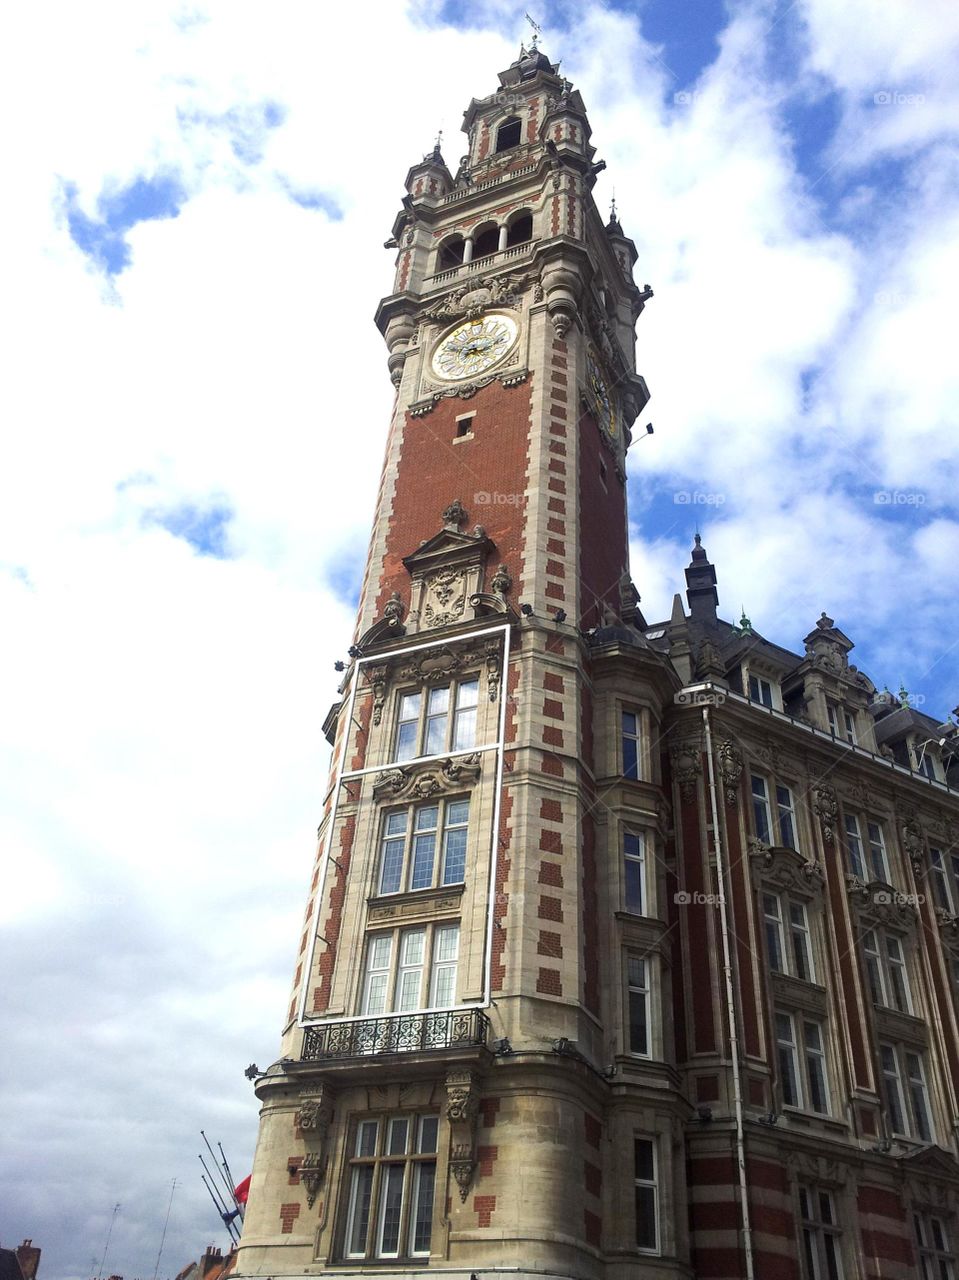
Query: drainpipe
(730, 1002)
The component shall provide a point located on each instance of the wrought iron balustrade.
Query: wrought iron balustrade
(404, 1033)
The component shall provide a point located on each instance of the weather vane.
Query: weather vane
(537, 30)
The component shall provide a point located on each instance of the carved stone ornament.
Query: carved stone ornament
(501, 583)
(781, 869)
(377, 677)
(879, 903)
(494, 668)
(455, 515)
(912, 843)
(826, 809)
(423, 782)
(730, 769)
(466, 390)
(312, 1171)
(393, 609)
(445, 598)
(462, 1104)
(805, 1167)
(473, 298)
(435, 664)
(685, 758)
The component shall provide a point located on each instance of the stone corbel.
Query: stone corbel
(462, 1104)
(378, 680)
(313, 1120)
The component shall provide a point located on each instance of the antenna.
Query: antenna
(537, 30)
(165, 1224)
(116, 1210)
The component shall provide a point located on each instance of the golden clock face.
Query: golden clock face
(603, 402)
(474, 346)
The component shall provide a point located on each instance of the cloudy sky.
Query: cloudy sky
(195, 401)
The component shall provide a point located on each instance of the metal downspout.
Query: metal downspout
(730, 1003)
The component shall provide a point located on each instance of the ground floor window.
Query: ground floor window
(646, 1164)
(390, 1181)
(821, 1234)
(936, 1259)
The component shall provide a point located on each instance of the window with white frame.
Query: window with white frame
(634, 872)
(886, 970)
(841, 723)
(821, 1234)
(944, 875)
(630, 739)
(424, 846)
(391, 1179)
(936, 1259)
(410, 969)
(802, 1062)
(866, 849)
(637, 994)
(441, 718)
(646, 1177)
(774, 812)
(906, 1092)
(788, 939)
(760, 690)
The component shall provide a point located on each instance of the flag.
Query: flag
(242, 1191)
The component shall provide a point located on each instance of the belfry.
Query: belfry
(627, 951)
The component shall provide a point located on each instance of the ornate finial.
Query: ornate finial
(903, 695)
(613, 216)
(744, 623)
(437, 153)
(824, 622)
(537, 32)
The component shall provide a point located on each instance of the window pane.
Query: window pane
(464, 731)
(877, 852)
(633, 872)
(802, 951)
(391, 1201)
(424, 1180)
(421, 868)
(467, 695)
(638, 1032)
(439, 700)
(360, 1193)
(854, 846)
(426, 818)
(396, 1142)
(646, 1218)
(761, 809)
(787, 823)
(366, 1138)
(645, 1167)
(391, 872)
(429, 1128)
(445, 949)
(454, 856)
(630, 758)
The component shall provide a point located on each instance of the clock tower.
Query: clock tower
(467, 1080)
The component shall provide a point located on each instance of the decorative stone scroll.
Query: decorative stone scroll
(422, 782)
(783, 869)
(462, 1105)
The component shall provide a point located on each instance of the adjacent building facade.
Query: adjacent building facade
(631, 949)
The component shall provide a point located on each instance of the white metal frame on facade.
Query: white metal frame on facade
(345, 775)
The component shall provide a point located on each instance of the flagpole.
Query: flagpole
(116, 1210)
(165, 1223)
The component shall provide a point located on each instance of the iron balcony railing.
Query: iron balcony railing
(405, 1033)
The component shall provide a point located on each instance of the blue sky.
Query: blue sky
(200, 398)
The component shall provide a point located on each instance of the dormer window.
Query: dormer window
(508, 134)
(841, 724)
(760, 690)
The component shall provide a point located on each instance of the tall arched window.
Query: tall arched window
(520, 229)
(485, 240)
(451, 253)
(508, 134)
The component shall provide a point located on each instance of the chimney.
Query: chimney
(28, 1255)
